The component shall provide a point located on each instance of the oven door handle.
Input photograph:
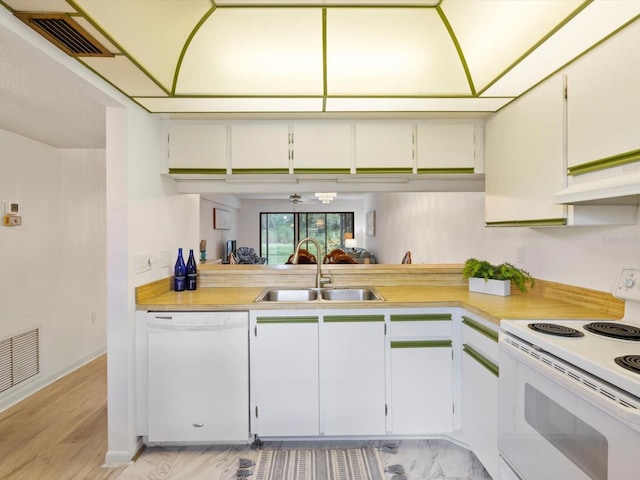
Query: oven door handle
(594, 395)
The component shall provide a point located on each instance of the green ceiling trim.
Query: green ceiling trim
(186, 45)
(454, 39)
(421, 344)
(197, 171)
(260, 171)
(89, 19)
(543, 222)
(604, 163)
(546, 37)
(446, 171)
(12, 10)
(385, 170)
(333, 171)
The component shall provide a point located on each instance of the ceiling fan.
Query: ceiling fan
(295, 198)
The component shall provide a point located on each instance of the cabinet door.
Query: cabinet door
(194, 146)
(480, 408)
(285, 376)
(421, 387)
(198, 386)
(446, 148)
(260, 148)
(353, 375)
(604, 100)
(524, 158)
(384, 148)
(321, 148)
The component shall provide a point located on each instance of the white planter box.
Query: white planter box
(492, 287)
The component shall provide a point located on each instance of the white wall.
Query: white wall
(216, 239)
(53, 266)
(449, 228)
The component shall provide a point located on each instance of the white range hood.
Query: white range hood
(620, 186)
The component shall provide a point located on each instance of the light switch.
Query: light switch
(165, 258)
(142, 262)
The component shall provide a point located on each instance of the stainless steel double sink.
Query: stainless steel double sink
(319, 295)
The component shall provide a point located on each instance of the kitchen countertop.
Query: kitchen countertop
(494, 308)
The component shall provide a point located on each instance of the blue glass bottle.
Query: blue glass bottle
(192, 272)
(180, 273)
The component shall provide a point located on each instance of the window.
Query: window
(281, 232)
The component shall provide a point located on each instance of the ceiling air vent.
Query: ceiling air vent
(61, 30)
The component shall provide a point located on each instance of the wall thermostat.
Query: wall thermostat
(10, 208)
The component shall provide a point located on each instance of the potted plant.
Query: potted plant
(484, 277)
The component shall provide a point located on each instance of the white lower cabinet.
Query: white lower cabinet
(421, 386)
(479, 380)
(353, 392)
(284, 361)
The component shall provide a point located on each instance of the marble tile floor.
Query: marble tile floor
(422, 460)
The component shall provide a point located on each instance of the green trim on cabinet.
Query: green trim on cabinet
(421, 344)
(603, 163)
(353, 318)
(325, 90)
(481, 359)
(385, 170)
(260, 171)
(267, 320)
(197, 171)
(542, 222)
(445, 171)
(478, 327)
(421, 317)
(331, 171)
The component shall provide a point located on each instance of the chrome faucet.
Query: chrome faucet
(320, 279)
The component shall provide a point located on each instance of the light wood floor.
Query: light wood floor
(59, 432)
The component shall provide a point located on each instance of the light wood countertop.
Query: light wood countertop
(494, 308)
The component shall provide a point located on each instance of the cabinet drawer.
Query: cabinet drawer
(421, 325)
(480, 337)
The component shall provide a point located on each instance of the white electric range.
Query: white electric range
(570, 394)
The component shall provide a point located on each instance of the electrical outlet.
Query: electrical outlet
(520, 254)
(12, 220)
(165, 258)
(142, 262)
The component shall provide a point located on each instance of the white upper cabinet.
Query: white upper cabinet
(524, 162)
(198, 146)
(384, 148)
(321, 147)
(604, 100)
(445, 147)
(261, 147)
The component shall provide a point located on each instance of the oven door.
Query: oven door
(551, 429)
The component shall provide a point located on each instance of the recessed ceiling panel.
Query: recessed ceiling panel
(152, 32)
(493, 34)
(227, 105)
(121, 72)
(391, 51)
(255, 51)
(415, 104)
(586, 29)
(40, 5)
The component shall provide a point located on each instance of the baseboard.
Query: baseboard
(118, 458)
(17, 394)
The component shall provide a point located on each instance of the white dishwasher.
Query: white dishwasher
(198, 377)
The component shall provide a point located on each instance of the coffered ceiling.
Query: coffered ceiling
(199, 58)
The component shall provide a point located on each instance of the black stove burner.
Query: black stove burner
(554, 329)
(630, 362)
(614, 330)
